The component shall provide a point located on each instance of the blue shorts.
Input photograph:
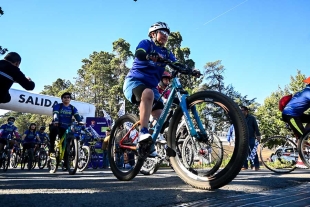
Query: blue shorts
(130, 84)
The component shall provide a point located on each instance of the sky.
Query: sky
(261, 43)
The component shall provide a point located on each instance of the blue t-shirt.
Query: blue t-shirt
(30, 136)
(42, 136)
(299, 103)
(146, 71)
(7, 130)
(64, 116)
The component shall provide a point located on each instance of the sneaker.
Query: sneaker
(301, 165)
(244, 168)
(161, 139)
(144, 137)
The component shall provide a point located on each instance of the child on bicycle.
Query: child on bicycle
(163, 84)
(8, 130)
(293, 114)
(29, 140)
(43, 135)
(141, 81)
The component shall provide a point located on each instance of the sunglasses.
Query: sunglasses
(164, 32)
(67, 97)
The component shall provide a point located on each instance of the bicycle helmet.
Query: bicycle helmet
(42, 128)
(11, 117)
(307, 81)
(164, 75)
(158, 26)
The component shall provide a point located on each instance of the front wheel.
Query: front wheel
(279, 154)
(304, 149)
(72, 156)
(221, 163)
(84, 158)
(6, 160)
(42, 159)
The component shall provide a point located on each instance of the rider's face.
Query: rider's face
(66, 99)
(161, 37)
(166, 81)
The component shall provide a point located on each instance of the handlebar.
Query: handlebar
(183, 70)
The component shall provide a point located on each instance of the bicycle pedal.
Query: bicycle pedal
(170, 152)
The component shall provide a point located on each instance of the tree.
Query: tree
(101, 77)
(2, 50)
(58, 88)
(269, 116)
(182, 54)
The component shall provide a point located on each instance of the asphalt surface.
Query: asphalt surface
(101, 188)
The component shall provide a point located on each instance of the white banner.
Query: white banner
(24, 101)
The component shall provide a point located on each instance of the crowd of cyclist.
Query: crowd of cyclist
(139, 88)
(30, 139)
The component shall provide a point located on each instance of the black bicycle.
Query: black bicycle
(5, 156)
(67, 143)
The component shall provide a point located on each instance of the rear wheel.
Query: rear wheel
(84, 158)
(217, 112)
(94, 159)
(279, 154)
(124, 162)
(304, 152)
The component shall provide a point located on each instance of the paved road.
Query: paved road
(100, 188)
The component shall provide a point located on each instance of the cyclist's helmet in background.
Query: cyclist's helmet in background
(165, 75)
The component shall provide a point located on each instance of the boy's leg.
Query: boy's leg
(145, 107)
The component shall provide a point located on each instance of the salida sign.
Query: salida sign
(36, 101)
(24, 101)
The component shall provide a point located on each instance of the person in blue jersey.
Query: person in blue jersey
(42, 134)
(62, 118)
(293, 114)
(230, 136)
(29, 140)
(141, 81)
(6, 131)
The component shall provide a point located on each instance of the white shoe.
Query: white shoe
(144, 137)
(161, 139)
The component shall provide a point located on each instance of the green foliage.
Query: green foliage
(213, 75)
(182, 54)
(269, 115)
(2, 50)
